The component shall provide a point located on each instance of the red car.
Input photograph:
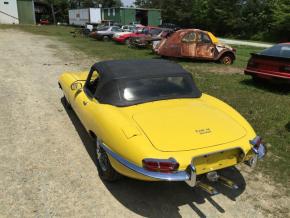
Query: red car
(271, 63)
(44, 21)
(125, 37)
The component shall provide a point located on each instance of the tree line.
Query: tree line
(245, 19)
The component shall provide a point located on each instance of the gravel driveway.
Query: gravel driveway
(47, 164)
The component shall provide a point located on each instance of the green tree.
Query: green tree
(249, 19)
(281, 22)
(57, 7)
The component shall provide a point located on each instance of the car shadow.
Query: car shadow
(160, 199)
(275, 86)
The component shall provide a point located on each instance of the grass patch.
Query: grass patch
(265, 106)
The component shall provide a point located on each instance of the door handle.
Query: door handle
(85, 103)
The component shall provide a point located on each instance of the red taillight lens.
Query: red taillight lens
(160, 165)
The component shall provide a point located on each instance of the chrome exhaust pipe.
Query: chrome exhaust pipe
(227, 182)
(207, 188)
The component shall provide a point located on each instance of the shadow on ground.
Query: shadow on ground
(160, 199)
(275, 86)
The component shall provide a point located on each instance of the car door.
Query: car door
(85, 105)
(205, 49)
(188, 44)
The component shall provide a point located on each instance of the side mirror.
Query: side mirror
(76, 85)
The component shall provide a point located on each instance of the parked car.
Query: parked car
(138, 31)
(105, 32)
(128, 28)
(195, 44)
(44, 21)
(271, 63)
(170, 26)
(149, 121)
(145, 40)
(118, 36)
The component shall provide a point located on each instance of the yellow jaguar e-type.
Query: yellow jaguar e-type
(150, 122)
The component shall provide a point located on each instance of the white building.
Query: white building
(8, 12)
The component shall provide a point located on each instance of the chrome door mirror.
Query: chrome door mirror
(76, 85)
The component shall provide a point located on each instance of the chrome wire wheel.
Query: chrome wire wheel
(106, 171)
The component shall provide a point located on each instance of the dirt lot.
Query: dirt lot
(46, 158)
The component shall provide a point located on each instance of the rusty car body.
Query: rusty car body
(146, 41)
(195, 44)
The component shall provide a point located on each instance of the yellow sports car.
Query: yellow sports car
(150, 122)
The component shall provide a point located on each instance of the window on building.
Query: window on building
(6, 3)
(114, 12)
(109, 12)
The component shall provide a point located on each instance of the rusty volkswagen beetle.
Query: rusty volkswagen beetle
(195, 44)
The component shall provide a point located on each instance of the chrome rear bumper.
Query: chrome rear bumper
(189, 175)
(176, 176)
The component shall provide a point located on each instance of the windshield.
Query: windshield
(157, 88)
(280, 50)
(155, 32)
(105, 28)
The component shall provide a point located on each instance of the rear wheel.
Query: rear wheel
(106, 171)
(127, 41)
(227, 59)
(106, 38)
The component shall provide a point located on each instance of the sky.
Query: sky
(128, 2)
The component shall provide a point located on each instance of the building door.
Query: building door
(154, 17)
(26, 12)
(142, 17)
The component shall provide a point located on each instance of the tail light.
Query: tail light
(258, 147)
(256, 141)
(160, 165)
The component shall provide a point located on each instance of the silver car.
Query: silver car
(105, 32)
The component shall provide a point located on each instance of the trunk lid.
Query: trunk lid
(269, 63)
(188, 126)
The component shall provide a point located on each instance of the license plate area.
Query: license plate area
(215, 161)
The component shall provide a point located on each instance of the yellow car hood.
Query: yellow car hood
(188, 126)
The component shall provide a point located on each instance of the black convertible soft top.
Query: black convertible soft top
(113, 72)
(120, 69)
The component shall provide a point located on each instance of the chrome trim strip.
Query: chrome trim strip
(176, 176)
